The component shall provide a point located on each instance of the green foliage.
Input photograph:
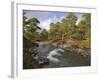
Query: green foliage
(67, 29)
(44, 35)
(71, 19)
(30, 28)
(54, 31)
(77, 36)
(87, 19)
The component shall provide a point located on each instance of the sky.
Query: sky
(46, 17)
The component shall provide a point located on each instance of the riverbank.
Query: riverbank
(52, 55)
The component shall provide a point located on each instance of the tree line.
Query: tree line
(65, 30)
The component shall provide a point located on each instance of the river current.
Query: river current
(60, 57)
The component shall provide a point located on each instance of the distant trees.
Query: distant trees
(87, 19)
(66, 29)
(44, 35)
(54, 31)
(72, 19)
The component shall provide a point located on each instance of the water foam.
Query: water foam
(53, 53)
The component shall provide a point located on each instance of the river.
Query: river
(61, 57)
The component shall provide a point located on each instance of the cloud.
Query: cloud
(62, 17)
(45, 24)
(79, 15)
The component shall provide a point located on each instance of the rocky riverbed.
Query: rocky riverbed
(49, 56)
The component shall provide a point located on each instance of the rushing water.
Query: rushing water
(53, 53)
(60, 57)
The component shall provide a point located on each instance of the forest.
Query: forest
(73, 38)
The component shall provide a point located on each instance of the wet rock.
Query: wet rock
(41, 60)
(84, 52)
